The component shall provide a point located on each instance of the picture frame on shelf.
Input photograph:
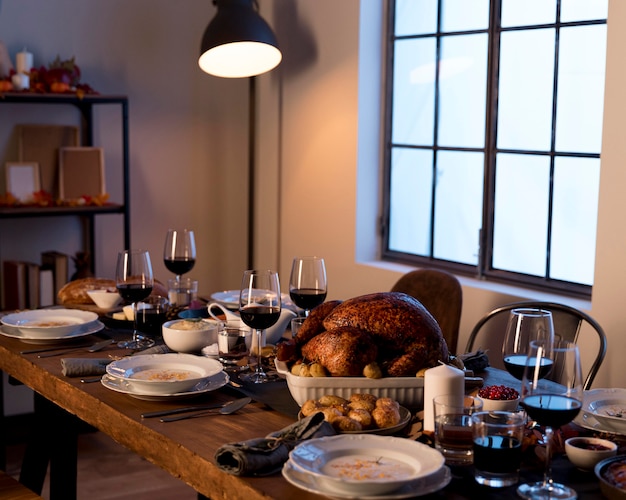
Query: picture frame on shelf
(81, 172)
(22, 179)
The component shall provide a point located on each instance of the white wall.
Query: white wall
(189, 138)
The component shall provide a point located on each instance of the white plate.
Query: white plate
(365, 464)
(49, 323)
(88, 329)
(163, 373)
(230, 299)
(207, 385)
(417, 488)
(598, 403)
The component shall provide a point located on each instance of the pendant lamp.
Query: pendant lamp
(238, 43)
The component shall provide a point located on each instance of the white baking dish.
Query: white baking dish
(408, 391)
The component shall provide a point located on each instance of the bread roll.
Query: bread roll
(75, 292)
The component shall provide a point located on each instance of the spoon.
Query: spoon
(231, 407)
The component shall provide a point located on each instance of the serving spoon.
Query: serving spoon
(227, 409)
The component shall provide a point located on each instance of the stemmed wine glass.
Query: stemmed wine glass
(552, 400)
(179, 253)
(524, 326)
(134, 282)
(259, 307)
(307, 283)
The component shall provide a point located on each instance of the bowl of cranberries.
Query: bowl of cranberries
(499, 398)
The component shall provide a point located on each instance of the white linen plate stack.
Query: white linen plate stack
(366, 467)
(604, 410)
(50, 325)
(164, 376)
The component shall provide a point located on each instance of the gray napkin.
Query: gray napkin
(82, 367)
(264, 456)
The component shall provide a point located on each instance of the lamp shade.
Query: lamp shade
(238, 42)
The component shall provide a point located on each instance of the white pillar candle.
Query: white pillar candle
(24, 62)
(442, 379)
(20, 81)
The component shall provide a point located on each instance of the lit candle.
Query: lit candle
(442, 379)
(24, 62)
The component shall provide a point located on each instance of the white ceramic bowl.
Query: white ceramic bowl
(364, 464)
(190, 335)
(163, 373)
(586, 452)
(500, 404)
(607, 406)
(105, 299)
(49, 323)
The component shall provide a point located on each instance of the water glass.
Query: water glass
(296, 324)
(453, 427)
(151, 314)
(497, 447)
(233, 345)
(182, 292)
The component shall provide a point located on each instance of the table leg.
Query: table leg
(53, 441)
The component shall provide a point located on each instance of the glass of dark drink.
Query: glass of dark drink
(151, 314)
(552, 400)
(179, 253)
(134, 282)
(498, 439)
(259, 307)
(524, 326)
(307, 283)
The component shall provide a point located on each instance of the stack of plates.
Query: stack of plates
(50, 325)
(604, 410)
(171, 376)
(368, 467)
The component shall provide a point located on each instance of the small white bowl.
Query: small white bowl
(104, 299)
(500, 404)
(190, 335)
(580, 452)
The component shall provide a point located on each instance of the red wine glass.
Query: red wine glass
(179, 253)
(307, 283)
(524, 326)
(259, 307)
(134, 282)
(552, 400)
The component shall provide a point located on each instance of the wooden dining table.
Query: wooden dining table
(186, 448)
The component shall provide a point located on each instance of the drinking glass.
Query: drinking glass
(524, 326)
(307, 283)
(259, 307)
(179, 253)
(553, 399)
(134, 281)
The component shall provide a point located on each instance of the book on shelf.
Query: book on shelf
(14, 282)
(32, 285)
(58, 263)
(46, 288)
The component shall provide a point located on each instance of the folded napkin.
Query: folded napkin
(82, 367)
(264, 456)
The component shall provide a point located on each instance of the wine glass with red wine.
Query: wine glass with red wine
(179, 253)
(307, 283)
(552, 401)
(134, 282)
(259, 307)
(524, 326)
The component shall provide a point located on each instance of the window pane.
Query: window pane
(464, 15)
(581, 89)
(582, 10)
(415, 17)
(458, 206)
(462, 94)
(521, 213)
(525, 90)
(527, 12)
(414, 92)
(575, 215)
(410, 201)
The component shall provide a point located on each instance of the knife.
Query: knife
(184, 409)
(94, 348)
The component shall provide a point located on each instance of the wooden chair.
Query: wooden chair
(568, 322)
(441, 294)
(11, 488)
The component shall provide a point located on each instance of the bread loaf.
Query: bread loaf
(75, 292)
